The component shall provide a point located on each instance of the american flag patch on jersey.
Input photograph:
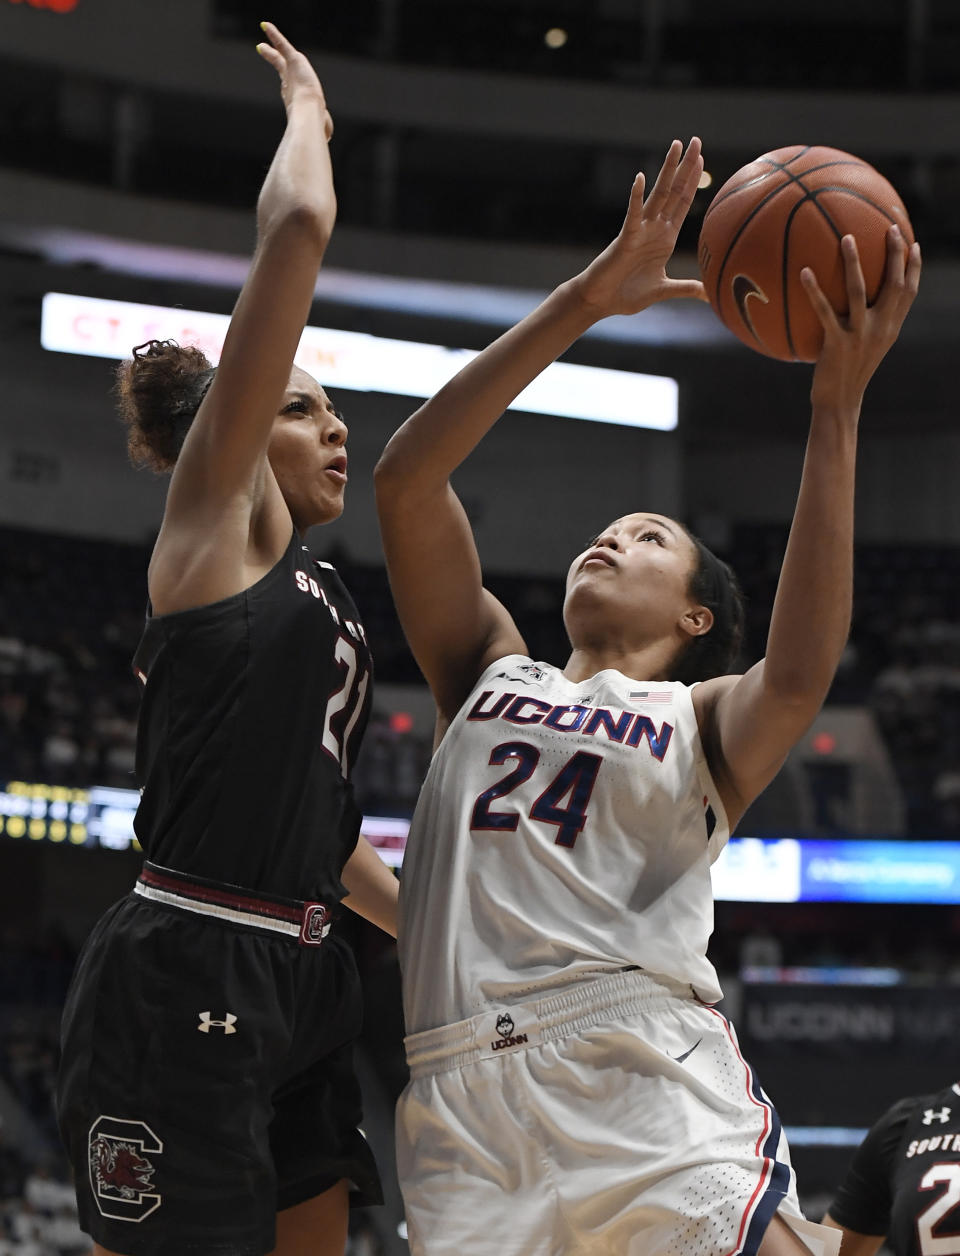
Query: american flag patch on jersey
(651, 695)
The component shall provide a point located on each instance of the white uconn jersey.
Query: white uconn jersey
(563, 830)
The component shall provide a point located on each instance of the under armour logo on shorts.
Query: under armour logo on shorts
(228, 1024)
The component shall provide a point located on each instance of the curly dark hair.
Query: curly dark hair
(715, 586)
(158, 394)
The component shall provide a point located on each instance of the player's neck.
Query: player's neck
(649, 662)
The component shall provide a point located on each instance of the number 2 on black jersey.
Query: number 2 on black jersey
(933, 1241)
(577, 778)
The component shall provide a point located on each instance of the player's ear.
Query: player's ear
(696, 621)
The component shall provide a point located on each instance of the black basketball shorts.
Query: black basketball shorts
(207, 1081)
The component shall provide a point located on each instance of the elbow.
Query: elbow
(395, 493)
(388, 490)
(386, 479)
(384, 470)
(410, 469)
(312, 222)
(393, 476)
(301, 221)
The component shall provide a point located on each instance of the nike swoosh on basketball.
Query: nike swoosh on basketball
(743, 289)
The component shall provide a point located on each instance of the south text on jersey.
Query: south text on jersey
(307, 584)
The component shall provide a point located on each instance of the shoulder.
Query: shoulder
(705, 694)
(880, 1145)
(898, 1115)
(514, 667)
(864, 1198)
(706, 697)
(932, 1110)
(506, 669)
(197, 561)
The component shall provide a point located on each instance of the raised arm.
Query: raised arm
(225, 521)
(750, 723)
(455, 627)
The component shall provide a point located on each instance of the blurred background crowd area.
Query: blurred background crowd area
(403, 171)
(68, 699)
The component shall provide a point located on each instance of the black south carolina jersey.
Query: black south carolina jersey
(253, 712)
(904, 1181)
(206, 1080)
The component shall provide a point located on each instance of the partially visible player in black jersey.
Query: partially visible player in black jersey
(207, 1094)
(904, 1181)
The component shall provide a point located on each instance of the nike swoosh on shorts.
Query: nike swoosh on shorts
(680, 1058)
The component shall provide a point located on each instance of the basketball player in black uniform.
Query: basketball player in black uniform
(904, 1181)
(207, 1095)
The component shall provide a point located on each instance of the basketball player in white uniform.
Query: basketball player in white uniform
(572, 1089)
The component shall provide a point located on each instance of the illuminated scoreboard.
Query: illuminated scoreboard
(103, 817)
(98, 816)
(749, 869)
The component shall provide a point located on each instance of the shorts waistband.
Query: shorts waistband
(516, 1027)
(306, 923)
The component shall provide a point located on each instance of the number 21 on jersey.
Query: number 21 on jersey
(344, 704)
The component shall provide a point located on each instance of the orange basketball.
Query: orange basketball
(786, 210)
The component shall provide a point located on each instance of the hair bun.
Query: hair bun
(158, 393)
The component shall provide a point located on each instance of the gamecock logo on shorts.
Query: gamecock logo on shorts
(316, 924)
(121, 1168)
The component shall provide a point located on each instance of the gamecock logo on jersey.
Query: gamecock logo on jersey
(121, 1170)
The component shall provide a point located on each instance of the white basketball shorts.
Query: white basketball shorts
(617, 1117)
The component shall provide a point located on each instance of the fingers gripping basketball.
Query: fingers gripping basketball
(790, 209)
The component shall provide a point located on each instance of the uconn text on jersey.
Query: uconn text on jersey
(626, 727)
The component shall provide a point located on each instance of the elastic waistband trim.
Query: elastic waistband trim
(504, 1030)
(306, 923)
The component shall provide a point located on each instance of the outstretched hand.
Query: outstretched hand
(298, 79)
(854, 346)
(630, 273)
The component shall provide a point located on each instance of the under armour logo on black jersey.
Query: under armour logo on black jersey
(942, 1116)
(228, 1024)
